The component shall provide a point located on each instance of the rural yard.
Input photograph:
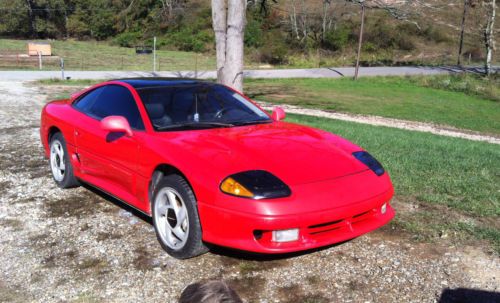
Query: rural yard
(79, 245)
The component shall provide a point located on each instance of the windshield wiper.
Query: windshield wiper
(252, 122)
(194, 125)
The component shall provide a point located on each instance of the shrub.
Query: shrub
(337, 39)
(274, 50)
(404, 42)
(189, 39)
(253, 34)
(434, 34)
(476, 54)
(127, 39)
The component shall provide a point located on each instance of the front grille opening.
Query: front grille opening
(325, 230)
(361, 214)
(326, 224)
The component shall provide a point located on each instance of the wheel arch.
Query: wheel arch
(51, 132)
(161, 170)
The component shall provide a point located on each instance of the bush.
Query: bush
(253, 34)
(127, 39)
(337, 39)
(189, 40)
(434, 34)
(404, 42)
(476, 54)
(274, 50)
(385, 36)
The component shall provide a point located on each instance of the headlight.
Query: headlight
(369, 161)
(255, 184)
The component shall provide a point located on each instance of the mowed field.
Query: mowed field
(465, 102)
(94, 55)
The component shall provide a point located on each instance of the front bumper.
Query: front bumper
(251, 232)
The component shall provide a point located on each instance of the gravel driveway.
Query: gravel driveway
(81, 246)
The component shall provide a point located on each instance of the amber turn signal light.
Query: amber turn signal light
(232, 187)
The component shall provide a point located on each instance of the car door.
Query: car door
(109, 160)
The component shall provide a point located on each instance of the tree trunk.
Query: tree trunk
(461, 43)
(360, 42)
(219, 20)
(326, 5)
(293, 20)
(489, 38)
(229, 26)
(233, 69)
(31, 17)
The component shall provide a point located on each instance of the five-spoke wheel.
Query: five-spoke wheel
(175, 218)
(60, 166)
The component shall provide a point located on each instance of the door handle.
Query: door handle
(77, 133)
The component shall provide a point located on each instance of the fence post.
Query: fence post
(154, 54)
(40, 60)
(196, 65)
(62, 68)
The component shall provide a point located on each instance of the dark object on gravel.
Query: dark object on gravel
(464, 295)
(209, 292)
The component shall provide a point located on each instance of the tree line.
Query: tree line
(271, 31)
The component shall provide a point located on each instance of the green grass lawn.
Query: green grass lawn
(444, 186)
(93, 55)
(395, 97)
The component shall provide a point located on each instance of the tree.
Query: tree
(400, 9)
(228, 18)
(489, 37)
(467, 3)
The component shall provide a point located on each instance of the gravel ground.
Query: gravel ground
(81, 246)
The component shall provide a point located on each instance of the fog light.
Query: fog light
(383, 209)
(286, 235)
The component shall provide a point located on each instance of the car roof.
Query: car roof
(144, 82)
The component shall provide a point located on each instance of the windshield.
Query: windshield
(198, 106)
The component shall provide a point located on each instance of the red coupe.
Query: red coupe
(210, 166)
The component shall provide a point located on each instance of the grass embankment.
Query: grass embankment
(424, 99)
(445, 187)
(93, 55)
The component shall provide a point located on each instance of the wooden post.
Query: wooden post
(360, 42)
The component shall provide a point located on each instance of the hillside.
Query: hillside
(288, 33)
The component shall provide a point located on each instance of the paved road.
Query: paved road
(272, 73)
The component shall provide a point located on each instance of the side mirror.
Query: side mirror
(278, 114)
(116, 124)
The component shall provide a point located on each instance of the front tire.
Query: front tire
(60, 164)
(175, 218)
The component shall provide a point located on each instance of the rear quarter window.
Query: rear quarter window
(85, 102)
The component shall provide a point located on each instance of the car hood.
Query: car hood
(294, 153)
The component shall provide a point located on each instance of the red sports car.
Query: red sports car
(210, 166)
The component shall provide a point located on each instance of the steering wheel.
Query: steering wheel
(220, 112)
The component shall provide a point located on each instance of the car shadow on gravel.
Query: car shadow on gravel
(118, 203)
(251, 256)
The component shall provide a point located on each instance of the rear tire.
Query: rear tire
(60, 164)
(175, 218)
